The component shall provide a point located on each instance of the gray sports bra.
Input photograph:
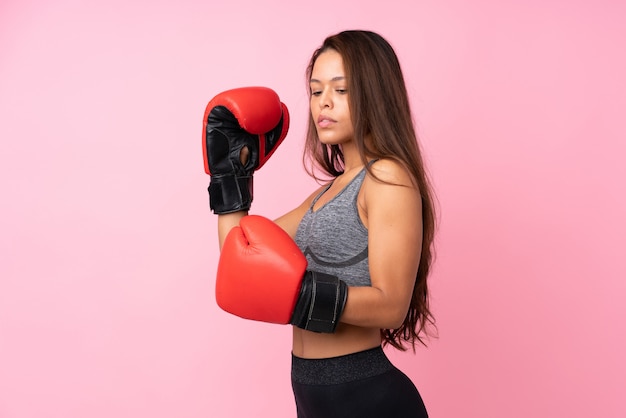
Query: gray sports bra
(333, 238)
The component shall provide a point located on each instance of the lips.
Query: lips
(324, 121)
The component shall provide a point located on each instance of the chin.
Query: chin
(332, 139)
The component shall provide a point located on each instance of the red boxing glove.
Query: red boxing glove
(262, 276)
(252, 118)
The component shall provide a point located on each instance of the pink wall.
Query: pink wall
(108, 249)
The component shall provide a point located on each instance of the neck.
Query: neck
(351, 157)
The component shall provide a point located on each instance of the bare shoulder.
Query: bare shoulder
(388, 193)
(388, 171)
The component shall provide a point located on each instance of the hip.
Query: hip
(363, 384)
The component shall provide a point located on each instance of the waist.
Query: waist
(345, 340)
(340, 369)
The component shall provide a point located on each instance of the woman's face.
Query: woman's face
(329, 99)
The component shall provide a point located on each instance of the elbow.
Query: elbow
(395, 318)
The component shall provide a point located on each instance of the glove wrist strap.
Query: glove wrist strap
(230, 193)
(321, 302)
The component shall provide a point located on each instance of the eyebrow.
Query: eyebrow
(338, 78)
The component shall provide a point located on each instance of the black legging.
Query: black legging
(359, 385)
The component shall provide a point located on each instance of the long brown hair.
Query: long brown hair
(379, 108)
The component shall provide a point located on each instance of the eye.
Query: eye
(315, 92)
(342, 91)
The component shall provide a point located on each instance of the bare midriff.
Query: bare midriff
(346, 339)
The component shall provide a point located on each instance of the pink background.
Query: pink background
(108, 248)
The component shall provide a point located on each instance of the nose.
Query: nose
(325, 100)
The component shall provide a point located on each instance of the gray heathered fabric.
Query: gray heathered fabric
(333, 238)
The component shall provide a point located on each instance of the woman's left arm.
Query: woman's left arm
(392, 211)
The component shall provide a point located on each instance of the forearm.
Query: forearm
(226, 222)
(370, 307)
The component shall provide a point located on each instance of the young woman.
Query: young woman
(370, 229)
